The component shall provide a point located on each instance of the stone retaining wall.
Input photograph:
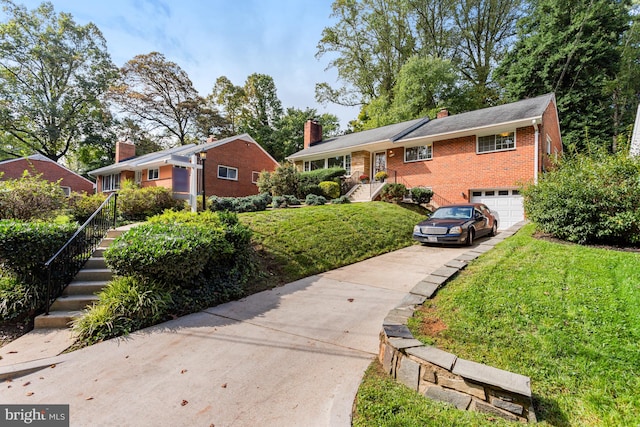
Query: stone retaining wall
(443, 376)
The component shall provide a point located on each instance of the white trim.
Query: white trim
(228, 168)
(149, 174)
(495, 150)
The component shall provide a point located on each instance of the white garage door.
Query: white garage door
(508, 204)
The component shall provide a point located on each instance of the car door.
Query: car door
(481, 222)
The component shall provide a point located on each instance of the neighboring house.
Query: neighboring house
(49, 170)
(231, 167)
(479, 156)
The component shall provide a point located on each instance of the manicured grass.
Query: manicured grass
(565, 315)
(299, 242)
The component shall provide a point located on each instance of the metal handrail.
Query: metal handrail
(65, 264)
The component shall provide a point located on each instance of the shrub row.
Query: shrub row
(589, 200)
(240, 204)
(30, 198)
(177, 263)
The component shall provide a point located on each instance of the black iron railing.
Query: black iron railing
(65, 264)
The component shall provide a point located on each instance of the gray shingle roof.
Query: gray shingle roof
(385, 133)
(417, 128)
(521, 110)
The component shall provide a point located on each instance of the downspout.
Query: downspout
(536, 158)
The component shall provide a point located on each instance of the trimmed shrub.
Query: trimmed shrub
(306, 189)
(330, 189)
(264, 182)
(421, 195)
(30, 198)
(280, 202)
(313, 200)
(341, 200)
(319, 175)
(137, 204)
(393, 192)
(26, 246)
(125, 305)
(589, 200)
(166, 253)
(240, 204)
(82, 206)
(284, 180)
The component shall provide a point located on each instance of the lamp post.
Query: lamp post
(203, 158)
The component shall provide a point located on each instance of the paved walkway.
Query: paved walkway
(291, 356)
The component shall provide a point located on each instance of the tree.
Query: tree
(160, 95)
(53, 73)
(290, 132)
(230, 99)
(373, 39)
(261, 113)
(572, 49)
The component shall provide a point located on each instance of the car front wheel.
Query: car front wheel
(471, 234)
(494, 229)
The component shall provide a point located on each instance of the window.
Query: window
(500, 142)
(476, 193)
(153, 174)
(548, 145)
(254, 176)
(111, 182)
(66, 190)
(503, 192)
(226, 172)
(138, 177)
(416, 154)
(332, 162)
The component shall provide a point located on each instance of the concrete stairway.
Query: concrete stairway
(364, 191)
(81, 292)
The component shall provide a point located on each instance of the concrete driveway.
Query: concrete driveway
(291, 356)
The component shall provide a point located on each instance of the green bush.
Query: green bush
(284, 180)
(305, 189)
(125, 305)
(137, 204)
(589, 200)
(280, 202)
(421, 195)
(313, 200)
(17, 298)
(82, 206)
(26, 246)
(341, 200)
(166, 253)
(30, 198)
(330, 189)
(319, 175)
(393, 192)
(240, 204)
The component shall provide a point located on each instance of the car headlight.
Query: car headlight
(416, 229)
(455, 230)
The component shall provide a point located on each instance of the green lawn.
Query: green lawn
(299, 242)
(565, 315)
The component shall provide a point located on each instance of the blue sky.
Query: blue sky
(213, 38)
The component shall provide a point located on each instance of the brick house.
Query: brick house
(482, 156)
(231, 167)
(38, 164)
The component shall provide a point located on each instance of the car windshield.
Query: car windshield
(452, 213)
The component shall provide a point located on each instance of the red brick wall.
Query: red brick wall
(242, 155)
(456, 168)
(550, 127)
(49, 170)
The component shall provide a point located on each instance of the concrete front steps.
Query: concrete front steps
(364, 191)
(81, 292)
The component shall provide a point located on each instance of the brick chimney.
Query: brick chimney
(442, 113)
(312, 133)
(124, 150)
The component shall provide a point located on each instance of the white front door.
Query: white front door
(379, 162)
